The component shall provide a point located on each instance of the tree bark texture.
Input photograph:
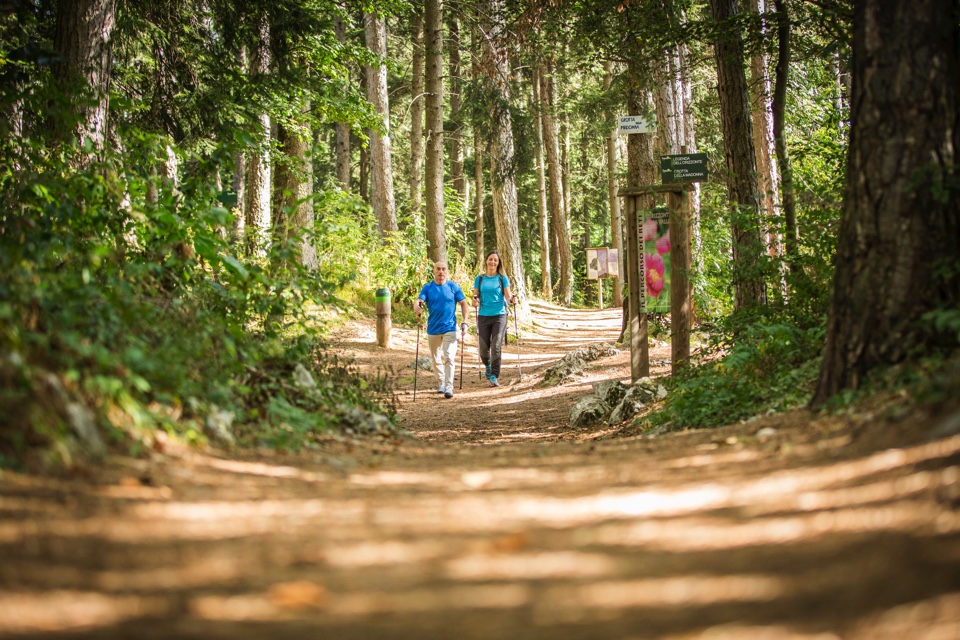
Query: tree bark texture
(293, 188)
(381, 165)
(899, 240)
(762, 121)
(84, 41)
(343, 130)
(257, 206)
(456, 132)
(546, 279)
(433, 184)
(502, 160)
(740, 156)
(790, 230)
(478, 154)
(558, 219)
(616, 233)
(416, 117)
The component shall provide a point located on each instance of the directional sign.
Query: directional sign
(689, 167)
(635, 124)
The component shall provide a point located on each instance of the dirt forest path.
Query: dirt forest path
(496, 521)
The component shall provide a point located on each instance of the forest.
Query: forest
(194, 192)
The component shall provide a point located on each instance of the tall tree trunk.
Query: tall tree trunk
(502, 161)
(748, 283)
(416, 117)
(456, 133)
(546, 279)
(558, 218)
(257, 206)
(293, 188)
(84, 41)
(343, 130)
(381, 166)
(616, 225)
(690, 142)
(433, 41)
(478, 154)
(899, 239)
(791, 232)
(762, 120)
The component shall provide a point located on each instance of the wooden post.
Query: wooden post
(681, 305)
(384, 322)
(600, 292)
(639, 353)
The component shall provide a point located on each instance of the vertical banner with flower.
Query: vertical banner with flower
(655, 261)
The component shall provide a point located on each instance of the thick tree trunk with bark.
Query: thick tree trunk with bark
(84, 41)
(558, 219)
(456, 133)
(293, 186)
(381, 165)
(899, 241)
(478, 155)
(257, 206)
(790, 231)
(433, 184)
(740, 156)
(416, 116)
(762, 121)
(343, 130)
(546, 279)
(616, 233)
(502, 161)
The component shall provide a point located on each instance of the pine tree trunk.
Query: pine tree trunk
(790, 230)
(502, 161)
(257, 206)
(559, 226)
(616, 225)
(293, 186)
(381, 166)
(546, 279)
(343, 130)
(84, 41)
(416, 117)
(899, 240)
(456, 133)
(433, 184)
(478, 155)
(741, 165)
(762, 120)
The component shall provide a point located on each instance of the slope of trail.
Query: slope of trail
(498, 522)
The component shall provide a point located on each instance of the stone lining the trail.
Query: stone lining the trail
(571, 366)
(614, 402)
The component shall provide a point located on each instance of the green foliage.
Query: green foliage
(143, 308)
(769, 367)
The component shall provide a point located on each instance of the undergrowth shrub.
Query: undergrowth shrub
(770, 367)
(146, 314)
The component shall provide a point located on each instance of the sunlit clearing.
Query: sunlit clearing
(370, 554)
(261, 469)
(63, 610)
(400, 478)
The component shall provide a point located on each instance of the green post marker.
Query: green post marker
(384, 322)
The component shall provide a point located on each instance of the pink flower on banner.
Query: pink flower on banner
(655, 268)
(649, 229)
(663, 244)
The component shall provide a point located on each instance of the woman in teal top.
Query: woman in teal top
(491, 292)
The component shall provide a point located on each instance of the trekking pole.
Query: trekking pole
(463, 336)
(416, 361)
(516, 329)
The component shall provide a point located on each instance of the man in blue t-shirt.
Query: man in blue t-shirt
(441, 298)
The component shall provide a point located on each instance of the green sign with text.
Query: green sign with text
(688, 167)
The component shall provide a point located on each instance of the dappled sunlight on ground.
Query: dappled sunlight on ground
(497, 521)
